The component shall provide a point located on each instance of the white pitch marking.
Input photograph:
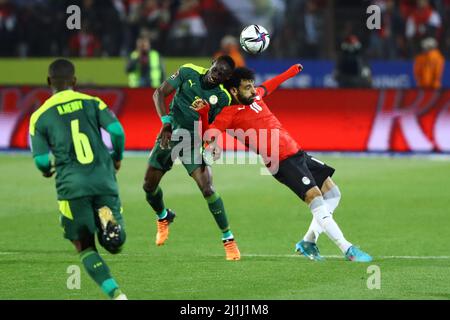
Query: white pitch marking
(341, 257)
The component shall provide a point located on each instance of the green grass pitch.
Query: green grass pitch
(397, 209)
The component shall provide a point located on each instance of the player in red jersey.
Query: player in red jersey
(308, 177)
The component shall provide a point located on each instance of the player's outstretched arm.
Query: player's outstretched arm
(159, 99)
(272, 84)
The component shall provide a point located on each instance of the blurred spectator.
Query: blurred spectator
(84, 43)
(423, 21)
(230, 46)
(155, 17)
(429, 65)
(8, 28)
(298, 28)
(188, 33)
(387, 43)
(145, 67)
(351, 70)
(313, 22)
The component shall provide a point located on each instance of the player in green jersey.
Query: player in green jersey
(191, 83)
(68, 125)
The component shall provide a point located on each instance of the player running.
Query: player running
(68, 124)
(191, 83)
(308, 177)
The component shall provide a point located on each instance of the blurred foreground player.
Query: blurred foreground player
(68, 125)
(308, 177)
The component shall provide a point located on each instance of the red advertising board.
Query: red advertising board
(319, 119)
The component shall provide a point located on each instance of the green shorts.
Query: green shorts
(79, 217)
(191, 159)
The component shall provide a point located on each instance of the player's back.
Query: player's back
(70, 123)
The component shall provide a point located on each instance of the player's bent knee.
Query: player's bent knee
(311, 194)
(207, 191)
(149, 187)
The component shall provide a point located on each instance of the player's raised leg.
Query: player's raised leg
(203, 176)
(79, 223)
(154, 196)
(323, 217)
(331, 196)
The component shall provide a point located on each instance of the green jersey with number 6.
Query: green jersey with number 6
(68, 124)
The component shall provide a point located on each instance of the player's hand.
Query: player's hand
(117, 164)
(199, 104)
(214, 150)
(165, 135)
(297, 68)
(49, 174)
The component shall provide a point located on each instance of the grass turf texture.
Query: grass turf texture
(390, 207)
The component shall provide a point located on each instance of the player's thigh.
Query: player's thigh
(77, 218)
(160, 158)
(294, 173)
(192, 160)
(113, 203)
(319, 170)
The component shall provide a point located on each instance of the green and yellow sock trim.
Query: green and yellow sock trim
(213, 198)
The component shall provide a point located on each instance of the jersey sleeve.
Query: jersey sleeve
(105, 115)
(177, 78)
(261, 91)
(39, 144)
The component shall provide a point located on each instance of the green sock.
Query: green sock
(216, 207)
(98, 271)
(155, 199)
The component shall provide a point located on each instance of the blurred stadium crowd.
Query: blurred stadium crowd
(299, 28)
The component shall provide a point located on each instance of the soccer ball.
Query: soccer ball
(254, 39)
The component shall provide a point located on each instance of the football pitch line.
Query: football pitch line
(279, 256)
(342, 256)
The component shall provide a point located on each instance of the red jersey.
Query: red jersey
(261, 125)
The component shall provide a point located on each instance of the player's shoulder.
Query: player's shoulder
(192, 68)
(75, 95)
(62, 98)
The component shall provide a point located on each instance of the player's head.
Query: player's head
(61, 75)
(241, 85)
(143, 44)
(220, 71)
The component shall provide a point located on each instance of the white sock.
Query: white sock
(323, 217)
(331, 198)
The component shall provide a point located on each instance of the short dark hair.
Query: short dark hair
(61, 69)
(238, 75)
(228, 60)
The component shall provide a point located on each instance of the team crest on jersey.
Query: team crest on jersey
(306, 181)
(213, 99)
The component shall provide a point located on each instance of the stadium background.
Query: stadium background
(395, 207)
